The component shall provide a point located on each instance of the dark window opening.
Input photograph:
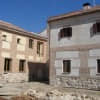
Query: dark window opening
(21, 65)
(98, 66)
(7, 65)
(40, 49)
(30, 43)
(96, 28)
(67, 66)
(65, 32)
(4, 37)
(18, 41)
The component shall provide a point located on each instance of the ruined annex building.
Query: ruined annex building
(23, 55)
(74, 48)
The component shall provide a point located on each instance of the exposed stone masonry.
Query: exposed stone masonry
(13, 77)
(79, 82)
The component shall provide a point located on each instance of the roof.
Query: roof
(75, 13)
(13, 28)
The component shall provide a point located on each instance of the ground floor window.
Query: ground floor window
(98, 65)
(21, 65)
(7, 65)
(67, 66)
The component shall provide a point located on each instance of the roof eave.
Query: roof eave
(83, 12)
(25, 33)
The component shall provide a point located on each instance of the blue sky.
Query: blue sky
(33, 14)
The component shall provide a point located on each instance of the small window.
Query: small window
(21, 65)
(40, 49)
(18, 41)
(65, 32)
(7, 65)
(4, 37)
(67, 66)
(98, 66)
(30, 43)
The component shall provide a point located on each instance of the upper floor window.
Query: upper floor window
(30, 43)
(96, 29)
(40, 48)
(65, 32)
(18, 41)
(4, 37)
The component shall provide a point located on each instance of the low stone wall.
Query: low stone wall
(14, 77)
(78, 82)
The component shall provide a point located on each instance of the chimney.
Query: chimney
(86, 6)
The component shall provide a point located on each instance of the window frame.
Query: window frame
(67, 70)
(7, 64)
(4, 37)
(95, 29)
(31, 43)
(18, 41)
(22, 65)
(65, 32)
(39, 48)
(98, 66)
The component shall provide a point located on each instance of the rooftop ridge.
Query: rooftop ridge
(73, 13)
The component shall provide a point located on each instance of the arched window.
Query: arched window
(65, 32)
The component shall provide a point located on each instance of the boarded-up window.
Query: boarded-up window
(7, 65)
(98, 66)
(21, 65)
(65, 32)
(67, 66)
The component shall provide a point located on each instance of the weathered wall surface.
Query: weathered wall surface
(9, 48)
(78, 82)
(82, 49)
(81, 28)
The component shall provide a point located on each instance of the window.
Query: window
(7, 65)
(67, 66)
(4, 37)
(96, 28)
(18, 41)
(21, 65)
(30, 43)
(65, 32)
(40, 50)
(98, 66)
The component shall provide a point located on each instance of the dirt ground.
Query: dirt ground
(16, 89)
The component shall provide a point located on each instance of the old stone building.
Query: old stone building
(74, 48)
(23, 55)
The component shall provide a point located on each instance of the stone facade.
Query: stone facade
(78, 82)
(82, 49)
(9, 48)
